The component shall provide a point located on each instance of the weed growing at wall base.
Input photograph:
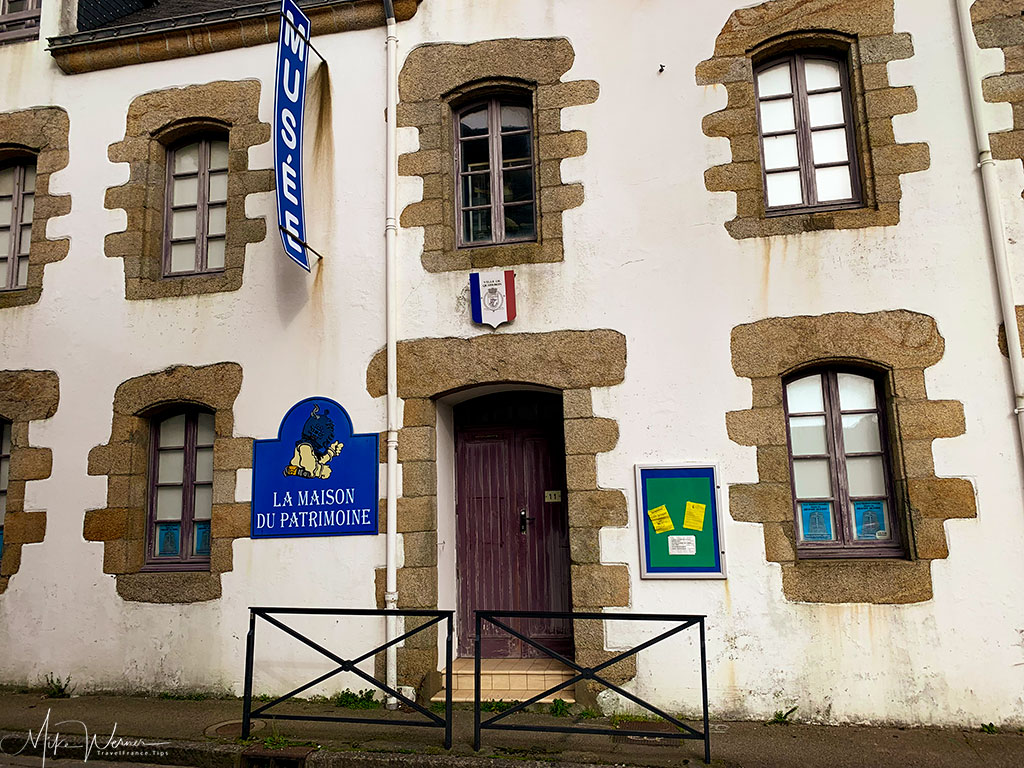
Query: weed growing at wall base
(55, 688)
(349, 700)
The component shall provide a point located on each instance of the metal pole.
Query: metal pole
(704, 693)
(993, 212)
(476, 685)
(391, 305)
(250, 642)
(448, 687)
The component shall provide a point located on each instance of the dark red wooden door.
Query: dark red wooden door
(513, 545)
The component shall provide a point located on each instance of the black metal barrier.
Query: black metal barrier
(348, 665)
(590, 673)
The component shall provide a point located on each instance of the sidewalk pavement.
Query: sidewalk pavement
(201, 733)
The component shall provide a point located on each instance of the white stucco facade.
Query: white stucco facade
(647, 255)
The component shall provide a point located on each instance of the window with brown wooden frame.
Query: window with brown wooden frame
(17, 204)
(840, 465)
(19, 20)
(180, 500)
(805, 124)
(5, 471)
(195, 217)
(495, 188)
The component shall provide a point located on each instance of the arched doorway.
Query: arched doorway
(512, 531)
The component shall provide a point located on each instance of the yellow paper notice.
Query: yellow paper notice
(693, 518)
(660, 519)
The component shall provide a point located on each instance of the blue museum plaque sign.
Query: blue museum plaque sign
(317, 478)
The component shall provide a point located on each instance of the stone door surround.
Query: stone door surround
(572, 362)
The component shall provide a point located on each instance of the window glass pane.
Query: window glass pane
(812, 478)
(473, 123)
(4, 472)
(833, 183)
(6, 211)
(183, 223)
(804, 395)
(515, 149)
(29, 184)
(518, 185)
(171, 467)
(28, 206)
(201, 539)
(476, 189)
(515, 118)
(13, 6)
(218, 220)
(476, 226)
(3, 512)
(218, 187)
(774, 81)
(22, 272)
(807, 435)
(186, 159)
(168, 503)
(5, 248)
(215, 254)
(866, 476)
(168, 539)
(816, 521)
(819, 73)
(204, 433)
(183, 256)
(871, 520)
(203, 502)
(475, 155)
(829, 146)
(856, 393)
(218, 155)
(7, 181)
(860, 433)
(204, 465)
(172, 432)
(777, 116)
(26, 239)
(519, 221)
(5, 439)
(185, 191)
(780, 152)
(825, 108)
(3, 273)
(784, 188)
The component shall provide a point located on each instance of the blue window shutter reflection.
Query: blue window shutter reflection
(168, 539)
(202, 538)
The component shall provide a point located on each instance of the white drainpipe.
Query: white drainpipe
(391, 302)
(994, 212)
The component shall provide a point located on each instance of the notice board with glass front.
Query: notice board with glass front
(680, 523)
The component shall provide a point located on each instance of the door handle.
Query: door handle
(523, 520)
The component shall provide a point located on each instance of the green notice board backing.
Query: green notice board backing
(679, 522)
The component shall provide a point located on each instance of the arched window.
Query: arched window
(840, 465)
(805, 122)
(495, 160)
(5, 468)
(17, 204)
(195, 215)
(180, 490)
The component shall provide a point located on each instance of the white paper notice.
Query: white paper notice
(682, 545)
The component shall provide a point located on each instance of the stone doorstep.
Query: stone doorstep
(508, 680)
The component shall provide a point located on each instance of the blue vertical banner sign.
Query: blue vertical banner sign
(289, 103)
(317, 478)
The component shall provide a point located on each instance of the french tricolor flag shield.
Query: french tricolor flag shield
(493, 296)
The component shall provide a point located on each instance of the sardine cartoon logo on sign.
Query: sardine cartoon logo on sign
(318, 478)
